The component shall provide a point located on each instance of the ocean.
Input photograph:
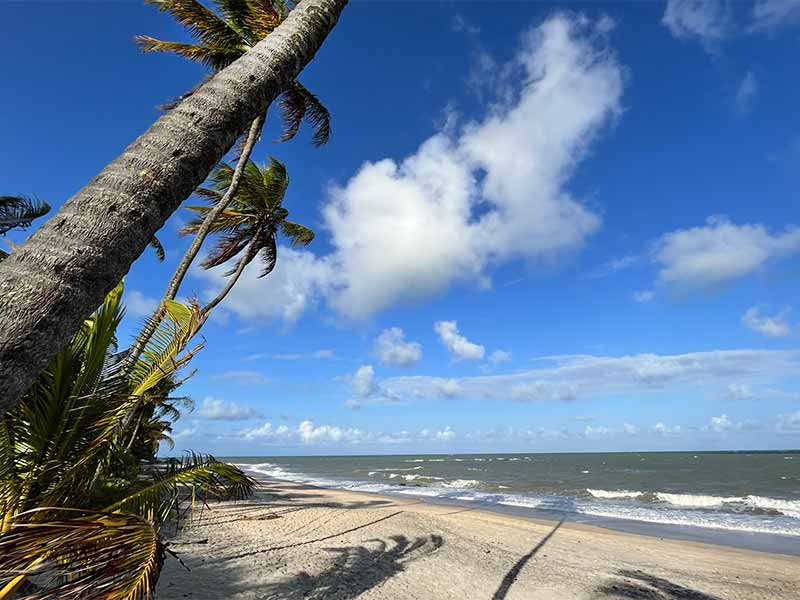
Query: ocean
(746, 499)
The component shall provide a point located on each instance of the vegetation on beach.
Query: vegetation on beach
(83, 499)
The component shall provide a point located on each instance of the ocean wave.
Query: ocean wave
(613, 494)
(697, 500)
(462, 483)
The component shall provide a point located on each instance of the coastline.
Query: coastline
(298, 541)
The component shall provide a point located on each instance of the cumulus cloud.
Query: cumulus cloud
(630, 429)
(139, 305)
(773, 327)
(217, 408)
(309, 433)
(460, 348)
(746, 93)
(395, 351)
(566, 378)
(363, 381)
(720, 424)
(186, 432)
(707, 21)
(662, 430)
(789, 423)
(242, 377)
(720, 251)
(471, 197)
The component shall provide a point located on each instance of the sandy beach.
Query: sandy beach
(294, 541)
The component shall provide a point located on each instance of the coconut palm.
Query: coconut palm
(57, 278)
(250, 224)
(222, 37)
(56, 514)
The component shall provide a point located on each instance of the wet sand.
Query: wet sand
(294, 541)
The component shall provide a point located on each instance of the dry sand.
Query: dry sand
(293, 541)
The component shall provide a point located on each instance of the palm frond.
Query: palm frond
(299, 234)
(99, 556)
(18, 212)
(269, 254)
(155, 244)
(202, 23)
(202, 475)
(211, 56)
(298, 104)
(276, 182)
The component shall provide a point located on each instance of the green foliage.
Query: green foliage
(18, 212)
(73, 491)
(224, 35)
(252, 220)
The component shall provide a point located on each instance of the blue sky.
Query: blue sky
(540, 227)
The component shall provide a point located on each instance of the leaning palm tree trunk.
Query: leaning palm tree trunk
(50, 284)
(183, 267)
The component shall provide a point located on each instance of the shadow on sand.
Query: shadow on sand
(638, 585)
(355, 569)
(514, 572)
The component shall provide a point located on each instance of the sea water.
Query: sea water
(748, 499)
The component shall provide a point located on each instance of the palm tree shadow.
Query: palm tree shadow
(355, 569)
(513, 573)
(648, 587)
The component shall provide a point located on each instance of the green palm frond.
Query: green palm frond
(200, 476)
(99, 556)
(276, 182)
(18, 212)
(211, 56)
(299, 234)
(166, 352)
(201, 22)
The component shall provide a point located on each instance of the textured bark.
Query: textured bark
(174, 285)
(52, 282)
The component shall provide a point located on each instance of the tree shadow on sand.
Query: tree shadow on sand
(638, 585)
(355, 569)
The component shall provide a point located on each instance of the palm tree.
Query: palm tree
(18, 212)
(55, 513)
(54, 281)
(250, 223)
(221, 39)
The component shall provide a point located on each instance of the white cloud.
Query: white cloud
(394, 351)
(363, 381)
(644, 296)
(499, 357)
(662, 430)
(567, 378)
(718, 252)
(615, 265)
(319, 354)
(630, 429)
(720, 424)
(769, 15)
(738, 391)
(242, 377)
(746, 93)
(774, 327)
(470, 198)
(186, 432)
(139, 305)
(297, 284)
(308, 433)
(217, 408)
(706, 20)
(460, 347)
(352, 404)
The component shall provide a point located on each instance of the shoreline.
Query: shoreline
(299, 541)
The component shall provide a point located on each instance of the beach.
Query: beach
(297, 541)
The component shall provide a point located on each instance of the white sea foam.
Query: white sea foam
(613, 494)
(697, 500)
(462, 483)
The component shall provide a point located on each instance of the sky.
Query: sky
(540, 227)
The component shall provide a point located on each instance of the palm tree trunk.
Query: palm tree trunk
(183, 267)
(51, 283)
